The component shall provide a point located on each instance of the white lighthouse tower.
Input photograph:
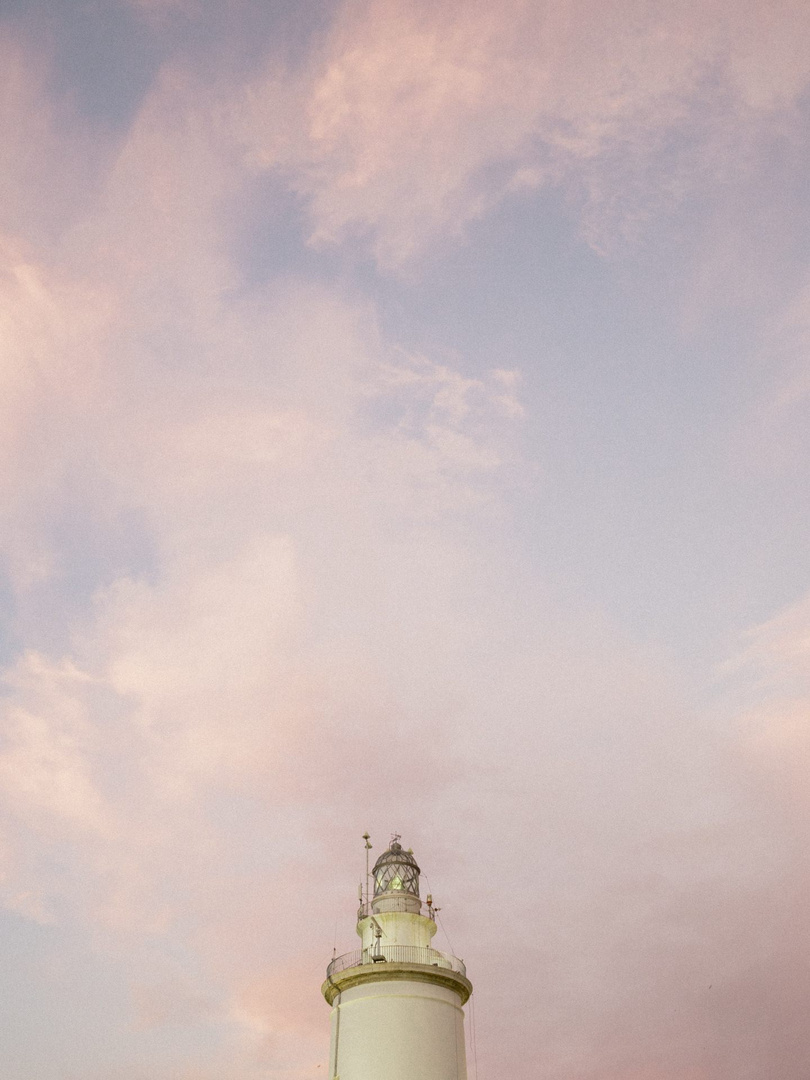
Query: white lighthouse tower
(396, 1002)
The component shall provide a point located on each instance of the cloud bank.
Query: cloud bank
(265, 571)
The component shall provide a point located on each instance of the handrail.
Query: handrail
(396, 954)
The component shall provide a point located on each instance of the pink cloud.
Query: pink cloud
(417, 119)
(241, 668)
(52, 326)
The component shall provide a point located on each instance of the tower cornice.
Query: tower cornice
(394, 972)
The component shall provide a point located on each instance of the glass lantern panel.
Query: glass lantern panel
(396, 877)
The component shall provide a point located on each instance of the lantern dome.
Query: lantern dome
(396, 871)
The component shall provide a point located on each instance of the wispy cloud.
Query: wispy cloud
(417, 119)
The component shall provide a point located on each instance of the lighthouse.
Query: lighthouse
(397, 1003)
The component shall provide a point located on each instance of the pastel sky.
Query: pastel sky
(405, 426)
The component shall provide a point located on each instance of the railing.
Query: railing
(396, 954)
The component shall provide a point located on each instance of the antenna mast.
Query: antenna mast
(367, 838)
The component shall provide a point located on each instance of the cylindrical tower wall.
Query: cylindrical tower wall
(397, 928)
(398, 1030)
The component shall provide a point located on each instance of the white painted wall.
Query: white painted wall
(399, 1030)
(398, 928)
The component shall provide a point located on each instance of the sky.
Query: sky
(405, 427)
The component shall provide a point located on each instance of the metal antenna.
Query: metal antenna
(367, 838)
